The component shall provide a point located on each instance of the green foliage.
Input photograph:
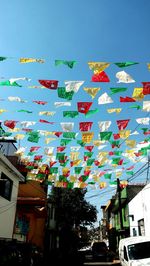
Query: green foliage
(71, 207)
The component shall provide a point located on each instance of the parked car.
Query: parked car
(134, 251)
(100, 251)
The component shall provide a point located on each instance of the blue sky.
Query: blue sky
(81, 30)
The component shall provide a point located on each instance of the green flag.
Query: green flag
(81, 143)
(8, 83)
(70, 64)
(88, 154)
(105, 135)
(25, 111)
(2, 58)
(71, 114)
(90, 162)
(125, 64)
(91, 112)
(53, 170)
(116, 90)
(107, 176)
(69, 135)
(62, 93)
(60, 156)
(33, 136)
(64, 142)
(136, 106)
(78, 170)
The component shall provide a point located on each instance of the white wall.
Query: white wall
(139, 206)
(8, 208)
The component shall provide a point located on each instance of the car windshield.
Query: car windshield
(139, 250)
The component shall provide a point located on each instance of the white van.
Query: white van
(134, 251)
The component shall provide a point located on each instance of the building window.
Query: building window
(141, 227)
(6, 185)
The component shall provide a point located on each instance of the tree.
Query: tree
(71, 207)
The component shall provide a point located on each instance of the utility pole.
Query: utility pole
(119, 202)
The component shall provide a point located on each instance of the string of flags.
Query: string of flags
(84, 153)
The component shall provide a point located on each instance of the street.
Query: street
(92, 263)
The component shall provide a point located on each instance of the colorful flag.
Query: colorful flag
(100, 77)
(92, 91)
(85, 126)
(83, 107)
(70, 64)
(124, 77)
(122, 124)
(126, 64)
(104, 99)
(49, 84)
(62, 93)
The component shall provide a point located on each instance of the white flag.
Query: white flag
(124, 77)
(104, 99)
(73, 85)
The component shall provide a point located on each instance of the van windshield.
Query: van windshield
(139, 251)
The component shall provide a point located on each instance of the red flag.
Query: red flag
(83, 107)
(10, 123)
(50, 84)
(122, 124)
(89, 148)
(85, 126)
(87, 172)
(61, 148)
(57, 134)
(146, 88)
(116, 136)
(27, 129)
(45, 121)
(40, 102)
(35, 148)
(130, 168)
(127, 99)
(38, 157)
(51, 163)
(96, 162)
(100, 77)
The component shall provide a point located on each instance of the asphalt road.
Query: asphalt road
(92, 263)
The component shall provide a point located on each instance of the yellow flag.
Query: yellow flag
(16, 129)
(114, 110)
(124, 134)
(98, 67)
(82, 185)
(65, 170)
(77, 162)
(73, 178)
(47, 140)
(87, 136)
(92, 91)
(148, 65)
(48, 113)
(31, 176)
(19, 136)
(96, 178)
(51, 177)
(98, 142)
(74, 155)
(118, 173)
(138, 94)
(103, 184)
(31, 60)
(2, 111)
(131, 143)
(58, 184)
(103, 154)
